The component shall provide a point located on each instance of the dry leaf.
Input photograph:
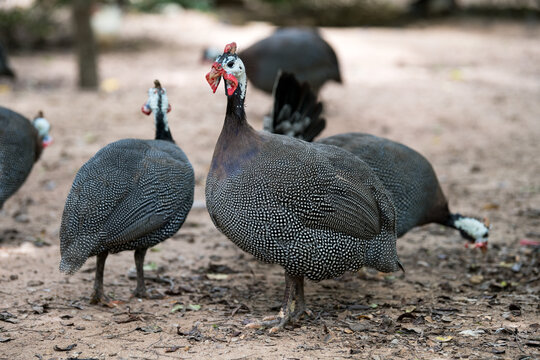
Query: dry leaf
(217, 276)
(444, 338)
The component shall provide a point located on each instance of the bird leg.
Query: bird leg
(140, 290)
(300, 308)
(294, 295)
(98, 296)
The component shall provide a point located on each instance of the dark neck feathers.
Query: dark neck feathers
(162, 130)
(235, 115)
(238, 142)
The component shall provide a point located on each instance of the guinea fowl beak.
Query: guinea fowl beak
(214, 76)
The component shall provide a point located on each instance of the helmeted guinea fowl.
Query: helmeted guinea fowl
(5, 70)
(315, 209)
(302, 51)
(405, 173)
(131, 195)
(21, 144)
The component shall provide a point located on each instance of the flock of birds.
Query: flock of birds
(318, 208)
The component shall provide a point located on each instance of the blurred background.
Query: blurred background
(457, 80)
(44, 25)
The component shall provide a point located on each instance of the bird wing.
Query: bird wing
(334, 190)
(152, 202)
(127, 190)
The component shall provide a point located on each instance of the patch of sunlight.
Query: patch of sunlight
(26, 248)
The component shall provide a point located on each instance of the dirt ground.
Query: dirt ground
(465, 94)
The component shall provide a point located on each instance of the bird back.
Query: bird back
(132, 193)
(18, 149)
(407, 175)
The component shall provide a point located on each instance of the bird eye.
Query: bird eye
(230, 64)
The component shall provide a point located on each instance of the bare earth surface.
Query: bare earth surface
(466, 95)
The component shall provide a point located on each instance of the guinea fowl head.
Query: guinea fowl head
(158, 103)
(43, 127)
(229, 66)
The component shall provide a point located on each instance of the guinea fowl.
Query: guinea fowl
(405, 173)
(5, 70)
(315, 209)
(131, 195)
(298, 50)
(21, 144)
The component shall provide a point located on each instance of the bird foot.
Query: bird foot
(140, 293)
(144, 294)
(277, 322)
(297, 315)
(99, 298)
(281, 322)
(267, 321)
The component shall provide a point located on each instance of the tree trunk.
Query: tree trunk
(85, 44)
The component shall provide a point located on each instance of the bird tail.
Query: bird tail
(67, 268)
(296, 112)
(70, 265)
(470, 228)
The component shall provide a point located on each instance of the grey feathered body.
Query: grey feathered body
(314, 209)
(297, 50)
(19, 149)
(132, 194)
(405, 173)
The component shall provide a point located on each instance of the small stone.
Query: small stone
(50, 185)
(22, 218)
(13, 277)
(476, 279)
(34, 283)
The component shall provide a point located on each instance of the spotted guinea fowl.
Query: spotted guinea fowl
(5, 70)
(302, 51)
(316, 210)
(405, 173)
(21, 144)
(131, 195)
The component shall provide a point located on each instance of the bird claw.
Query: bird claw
(300, 313)
(277, 322)
(254, 325)
(140, 293)
(267, 321)
(275, 329)
(102, 299)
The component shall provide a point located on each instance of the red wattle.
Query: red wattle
(232, 83)
(47, 142)
(146, 110)
(212, 80)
